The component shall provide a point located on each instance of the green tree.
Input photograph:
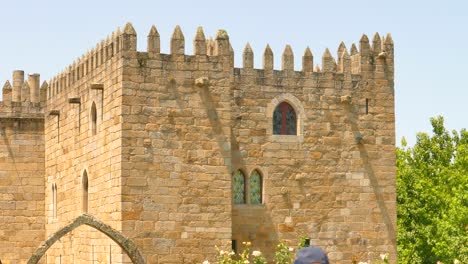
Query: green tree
(432, 197)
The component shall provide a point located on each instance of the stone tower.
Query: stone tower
(180, 153)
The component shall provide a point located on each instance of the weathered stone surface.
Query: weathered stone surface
(152, 153)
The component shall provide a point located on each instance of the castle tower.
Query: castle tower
(182, 152)
(22, 161)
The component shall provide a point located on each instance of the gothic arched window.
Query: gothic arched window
(255, 188)
(284, 120)
(238, 190)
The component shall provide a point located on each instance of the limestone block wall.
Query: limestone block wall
(335, 180)
(21, 168)
(176, 158)
(148, 143)
(83, 151)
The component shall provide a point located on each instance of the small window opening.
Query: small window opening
(93, 119)
(307, 242)
(367, 105)
(85, 192)
(54, 201)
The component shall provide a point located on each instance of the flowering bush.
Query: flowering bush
(245, 257)
(283, 255)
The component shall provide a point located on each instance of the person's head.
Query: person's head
(311, 255)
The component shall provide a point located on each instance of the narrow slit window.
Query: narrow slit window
(93, 119)
(239, 187)
(84, 198)
(255, 188)
(284, 120)
(54, 200)
(367, 105)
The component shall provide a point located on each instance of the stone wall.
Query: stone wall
(189, 122)
(21, 170)
(334, 181)
(176, 150)
(75, 147)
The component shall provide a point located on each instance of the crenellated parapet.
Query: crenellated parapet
(94, 60)
(372, 59)
(376, 59)
(23, 98)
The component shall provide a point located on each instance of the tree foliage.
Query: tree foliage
(432, 197)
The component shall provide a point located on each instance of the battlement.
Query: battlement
(23, 99)
(91, 62)
(376, 57)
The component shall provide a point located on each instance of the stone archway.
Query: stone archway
(126, 244)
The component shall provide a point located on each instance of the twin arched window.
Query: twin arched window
(284, 120)
(254, 189)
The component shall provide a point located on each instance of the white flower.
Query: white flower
(361, 262)
(232, 253)
(206, 262)
(383, 256)
(256, 253)
(221, 252)
(456, 261)
(246, 262)
(291, 249)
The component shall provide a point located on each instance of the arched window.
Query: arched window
(84, 200)
(255, 187)
(284, 120)
(238, 191)
(93, 119)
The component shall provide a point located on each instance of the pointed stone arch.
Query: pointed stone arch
(126, 244)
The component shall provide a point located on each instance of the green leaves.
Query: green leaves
(432, 187)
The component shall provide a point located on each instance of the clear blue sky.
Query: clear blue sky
(430, 37)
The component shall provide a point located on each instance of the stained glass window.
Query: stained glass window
(239, 188)
(284, 120)
(255, 188)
